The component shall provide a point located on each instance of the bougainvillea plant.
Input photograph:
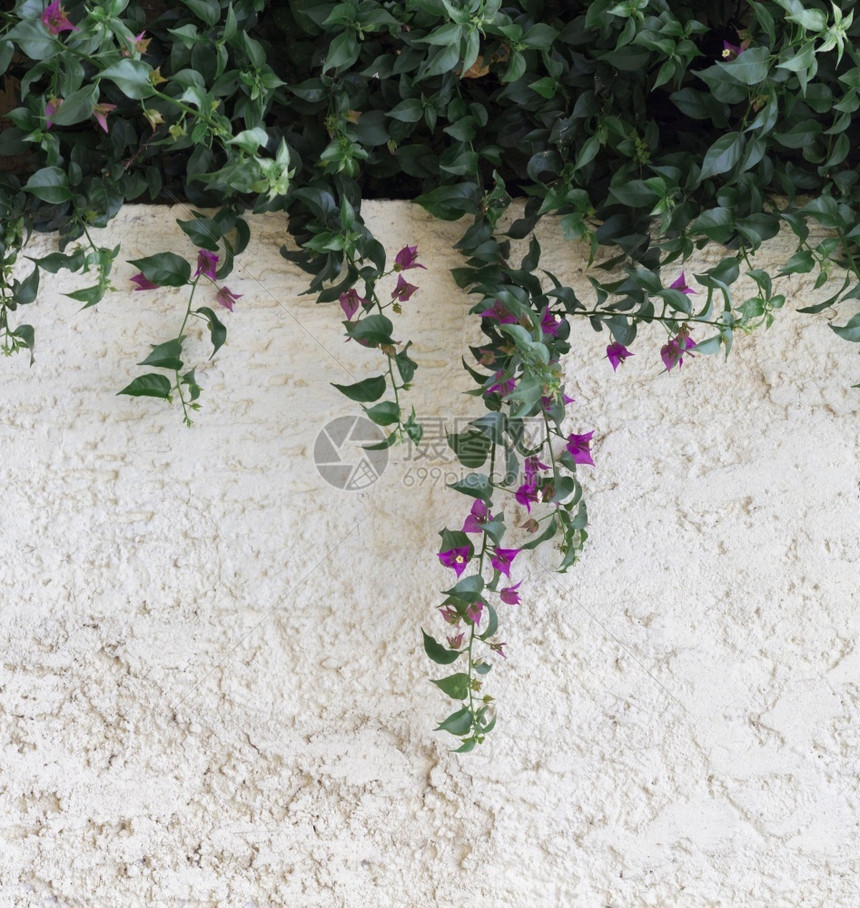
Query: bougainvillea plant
(646, 129)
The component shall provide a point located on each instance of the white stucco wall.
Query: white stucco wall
(213, 689)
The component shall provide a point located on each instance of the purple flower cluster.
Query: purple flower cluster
(206, 265)
(672, 353)
(403, 290)
(55, 20)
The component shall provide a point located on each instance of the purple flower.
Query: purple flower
(405, 259)
(579, 448)
(502, 560)
(547, 402)
(142, 282)
(450, 614)
(456, 642)
(474, 611)
(510, 595)
(457, 559)
(731, 51)
(526, 494)
(227, 298)
(617, 353)
(206, 262)
(100, 112)
(403, 290)
(503, 387)
(51, 108)
(673, 352)
(54, 19)
(680, 283)
(350, 302)
(497, 648)
(499, 314)
(549, 323)
(480, 514)
(531, 467)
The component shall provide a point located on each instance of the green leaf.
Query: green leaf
(802, 262)
(372, 331)
(813, 20)
(387, 442)
(165, 269)
(446, 34)
(470, 447)
(165, 356)
(405, 366)
(800, 135)
(750, 67)
(820, 307)
(565, 486)
(468, 589)
(24, 292)
(700, 105)
(56, 261)
(249, 140)
(365, 391)
(441, 60)
(548, 533)
(851, 331)
(209, 11)
(723, 155)
(540, 36)
(27, 336)
(7, 51)
(384, 414)
(217, 331)
(716, 223)
(477, 485)
(709, 346)
(466, 746)
(455, 686)
(33, 39)
(495, 528)
(88, 295)
(76, 107)
(190, 381)
(449, 203)
(635, 193)
(410, 110)
(131, 77)
(437, 652)
(455, 539)
(203, 232)
(150, 385)
(492, 624)
(342, 52)
(458, 723)
(50, 184)
(545, 87)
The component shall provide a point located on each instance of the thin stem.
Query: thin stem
(472, 626)
(188, 307)
(650, 318)
(185, 417)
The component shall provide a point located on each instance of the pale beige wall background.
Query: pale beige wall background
(212, 688)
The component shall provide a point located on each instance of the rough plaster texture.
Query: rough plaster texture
(212, 688)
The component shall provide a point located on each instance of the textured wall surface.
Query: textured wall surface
(212, 686)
